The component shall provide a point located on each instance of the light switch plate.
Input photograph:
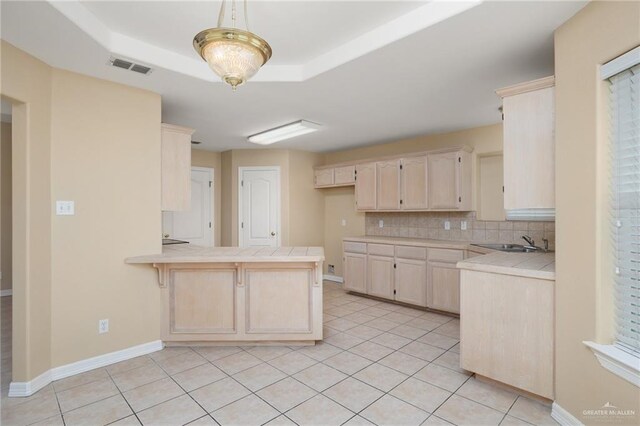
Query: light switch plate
(381, 223)
(447, 225)
(344, 222)
(65, 208)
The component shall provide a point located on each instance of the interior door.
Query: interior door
(259, 207)
(193, 225)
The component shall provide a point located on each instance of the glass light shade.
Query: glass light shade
(235, 55)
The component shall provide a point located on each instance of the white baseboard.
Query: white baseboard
(333, 278)
(17, 389)
(8, 292)
(563, 417)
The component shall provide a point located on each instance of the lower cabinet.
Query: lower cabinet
(355, 272)
(411, 281)
(380, 275)
(443, 286)
(404, 273)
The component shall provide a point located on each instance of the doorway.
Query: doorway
(259, 206)
(196, 224)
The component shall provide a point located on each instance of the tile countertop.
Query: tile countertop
(531, 265)
(187, 253)
(420, 242)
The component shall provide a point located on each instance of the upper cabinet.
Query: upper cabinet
(327, 177)
(435, 180)
(176, 167)
(449, 180)
(388, 185)
(414, 183)
(366, 186)
(529, 149)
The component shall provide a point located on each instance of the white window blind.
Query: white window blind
(625, 135)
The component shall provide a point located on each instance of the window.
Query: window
(624, 108)
(623, 78)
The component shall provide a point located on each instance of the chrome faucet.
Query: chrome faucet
(529, 240)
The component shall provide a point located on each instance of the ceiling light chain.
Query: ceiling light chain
(234, 54)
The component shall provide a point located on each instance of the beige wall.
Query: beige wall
(340, 203)
(306, 218)
(27, 82)
(5, 206)
(598, 33)
(212, 160)
(106, 157)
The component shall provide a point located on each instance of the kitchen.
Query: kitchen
(416, 258)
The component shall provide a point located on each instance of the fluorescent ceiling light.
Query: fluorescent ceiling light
(291, 130)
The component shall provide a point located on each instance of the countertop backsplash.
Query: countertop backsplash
(431, 225)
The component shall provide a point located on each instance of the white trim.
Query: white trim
(619, 362)
(621, 63)
(333, 278)
(278, 203)
(17, 389)
(563, 417)
(531, 214)
(8, 292)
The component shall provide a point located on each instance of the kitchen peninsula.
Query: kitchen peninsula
(234, 294)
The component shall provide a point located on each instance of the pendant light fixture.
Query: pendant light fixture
(233, 54)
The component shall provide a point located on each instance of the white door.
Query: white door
(194, 225)
(259, 206)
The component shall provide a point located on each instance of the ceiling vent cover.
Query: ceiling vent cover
(128, 65)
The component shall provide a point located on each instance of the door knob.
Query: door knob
(165, 236)
(273, 234)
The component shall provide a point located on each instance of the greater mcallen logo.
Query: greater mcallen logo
(609, 412)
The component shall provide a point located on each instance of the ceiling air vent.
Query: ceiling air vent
(128, 65)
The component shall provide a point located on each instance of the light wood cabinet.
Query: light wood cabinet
(449, 181)
(443, 286)
(380, 276)
(529, 145)
(355, 272)
(507, 330)
(324, 177)
(176, 167)
(388, 185)
(414, 183)
(366, 186)
(345, 175)
(411, 281)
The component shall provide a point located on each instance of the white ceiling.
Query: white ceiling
(369, 71)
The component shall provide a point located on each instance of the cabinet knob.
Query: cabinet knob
(165, 236)
(273, 234)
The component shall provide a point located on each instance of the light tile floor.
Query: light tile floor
(380, 363)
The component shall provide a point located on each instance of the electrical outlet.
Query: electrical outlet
(463, 225)
(381, 223)
(65, 208)
(331, 269)
(447, 225)
(344, 222)
(103, 326)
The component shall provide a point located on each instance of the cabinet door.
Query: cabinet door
(414, 183)
(411, 281)
(366, 186)
(380, 276)
(443, 287)
(344, 175)
(176, 168)
(323, 177)
(443, 181)
(388, 185)
(355, 272)
(529, 150)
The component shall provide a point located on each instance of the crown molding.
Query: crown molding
(130, 48)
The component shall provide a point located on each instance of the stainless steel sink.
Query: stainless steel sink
(515, 248)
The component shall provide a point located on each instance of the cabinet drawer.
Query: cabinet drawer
(353, 247)
(380, 249)
(446, 255)
(406, 252)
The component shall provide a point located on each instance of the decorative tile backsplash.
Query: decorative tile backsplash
(432, 225)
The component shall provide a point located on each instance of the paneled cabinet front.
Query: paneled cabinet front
(380, 276)
(324, 177)
(355, 272)
(388, 185)
(414, 183)
(366, 186)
